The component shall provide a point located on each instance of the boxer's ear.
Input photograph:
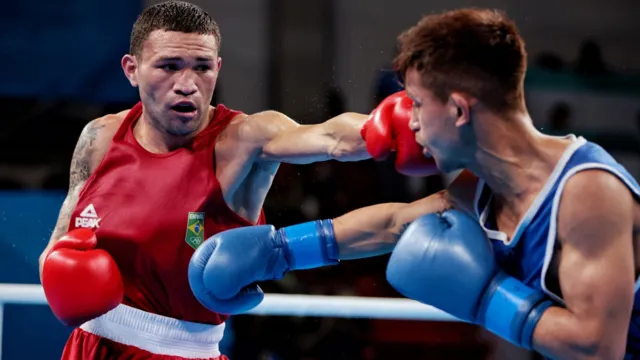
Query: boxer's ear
(461, 108)
(130, 66)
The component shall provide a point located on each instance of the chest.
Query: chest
(520, 243)
(511, 219)
(139, 202)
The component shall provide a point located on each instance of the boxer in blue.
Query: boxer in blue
(537, 239)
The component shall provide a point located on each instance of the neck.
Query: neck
(512, 157)
(157, 140)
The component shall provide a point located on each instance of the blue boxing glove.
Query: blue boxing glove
(223, 270)
(446, 261)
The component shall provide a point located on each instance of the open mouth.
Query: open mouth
(184, 108)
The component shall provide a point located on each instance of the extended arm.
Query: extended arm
(264, 253)
(276, 137)
(337, 138)
(374, 230)
(596, 271)
(272, 136)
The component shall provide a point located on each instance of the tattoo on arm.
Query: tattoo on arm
(79, 173)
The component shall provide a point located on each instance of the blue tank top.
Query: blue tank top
(529, 254)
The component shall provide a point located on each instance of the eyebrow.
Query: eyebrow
(177, 58)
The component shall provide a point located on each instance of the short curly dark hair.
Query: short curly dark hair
(179, 16)
(477, 51)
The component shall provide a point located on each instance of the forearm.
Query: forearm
(561, 335)
(361, 233)
(347, 144)
(375, 230)
(367, 232)
(62, 225)
(78, 178)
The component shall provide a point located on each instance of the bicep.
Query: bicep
(269, 134)
(337, 138)
(596, 268)
(599, 287)
(298, 144)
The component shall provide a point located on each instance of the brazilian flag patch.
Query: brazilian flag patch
(195, 229)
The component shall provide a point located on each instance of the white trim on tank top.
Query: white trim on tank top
(533, 208)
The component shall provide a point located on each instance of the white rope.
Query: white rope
(286, 305)
(27, 294)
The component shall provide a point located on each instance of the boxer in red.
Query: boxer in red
(149, 184)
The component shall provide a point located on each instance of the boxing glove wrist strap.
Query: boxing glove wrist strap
(310, 245)
(511, 309)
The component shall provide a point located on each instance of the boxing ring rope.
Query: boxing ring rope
(277, 305)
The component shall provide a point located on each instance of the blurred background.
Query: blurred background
(312, 59)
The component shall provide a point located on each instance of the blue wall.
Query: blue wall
(66, 49)
(26, 221)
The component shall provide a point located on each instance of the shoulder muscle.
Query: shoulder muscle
(250, 133)
(264, 126)
(92, 145)
(595, 206)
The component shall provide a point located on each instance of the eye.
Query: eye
(169, 67)
(203, 68)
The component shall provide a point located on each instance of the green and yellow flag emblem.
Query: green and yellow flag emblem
(195, 229)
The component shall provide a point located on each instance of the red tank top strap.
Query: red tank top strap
(123, 132)
(222, 116)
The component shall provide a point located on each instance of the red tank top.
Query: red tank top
(150, 211)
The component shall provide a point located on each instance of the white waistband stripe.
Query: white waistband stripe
(157, 334)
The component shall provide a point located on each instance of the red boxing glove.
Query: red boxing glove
(387, 130)
(80, 281)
